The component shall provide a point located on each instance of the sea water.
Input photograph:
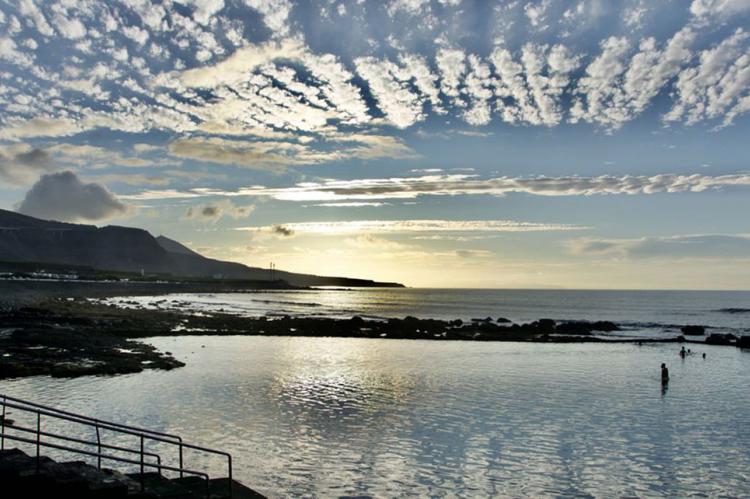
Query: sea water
(332, 417)
(649, 312)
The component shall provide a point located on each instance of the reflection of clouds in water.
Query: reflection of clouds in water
(330, 417)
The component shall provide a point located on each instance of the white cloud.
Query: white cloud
(412, 226)
(702, 8)
(460, 184)
(204, 9)
(618, 87)
(451, 63)
(719, 86)
(390, 87)
(275, 14)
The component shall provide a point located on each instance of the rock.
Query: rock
(693, 330)
(544, 326)
(486, 319)
(604, 326)
(743, 342)
(503, 320)
(721, 339)
(585, 327)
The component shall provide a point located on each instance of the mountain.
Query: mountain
(124, 249)
(172, 246)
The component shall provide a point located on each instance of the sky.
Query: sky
(438, 143)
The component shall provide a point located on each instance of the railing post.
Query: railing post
(98, 448)
(143, 485)
(2, 436)
(181, 466)
(231, 488)
(38, 438)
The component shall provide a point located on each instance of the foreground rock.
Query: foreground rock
(38, 342)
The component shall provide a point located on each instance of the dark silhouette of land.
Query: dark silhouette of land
(28, 244)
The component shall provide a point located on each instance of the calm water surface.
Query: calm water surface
(330, 417)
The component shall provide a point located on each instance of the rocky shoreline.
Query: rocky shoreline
(67, 337)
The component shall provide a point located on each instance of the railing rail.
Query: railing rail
(99, 455)
(143, 434)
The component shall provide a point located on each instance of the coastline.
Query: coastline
(60, 330)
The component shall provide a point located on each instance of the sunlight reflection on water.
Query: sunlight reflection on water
(330, 417)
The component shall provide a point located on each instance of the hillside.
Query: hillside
(113, 248)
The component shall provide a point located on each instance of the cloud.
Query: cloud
(374, 189)
(215, 210)
(63, 196)
(682, 246)
(719, 86)
(188, 67)
(21, 164)
(413, 226)
(390, 84)
(278, 154)
(235, 68)
(275, 14)
(720, 8)
(282, 230)
(619, 86)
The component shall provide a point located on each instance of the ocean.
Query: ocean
(652, 313)
(334, 417)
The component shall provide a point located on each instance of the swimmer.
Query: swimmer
(664, 374)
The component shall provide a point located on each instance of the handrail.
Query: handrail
(106, 456)
(143, 434)
(82, 416)
(85, 442)
(105, 425)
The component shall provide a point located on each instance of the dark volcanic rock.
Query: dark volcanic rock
(743, 342)
(585, 327)
(721, 339)
(503, 320)
(693, 330)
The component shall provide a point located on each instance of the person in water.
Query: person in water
(664, 374)
(683, 352)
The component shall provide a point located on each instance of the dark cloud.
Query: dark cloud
(19, 166)
(62, 196)
(214, 211)
(282, 231)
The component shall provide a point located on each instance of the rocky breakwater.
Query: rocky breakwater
(37, 341)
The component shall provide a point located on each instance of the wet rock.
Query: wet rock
(721, 339)
(743, 342)
(693, 330)
(503, 320)
(585, 327)
(544, 325)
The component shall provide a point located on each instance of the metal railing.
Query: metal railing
(143, 435)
